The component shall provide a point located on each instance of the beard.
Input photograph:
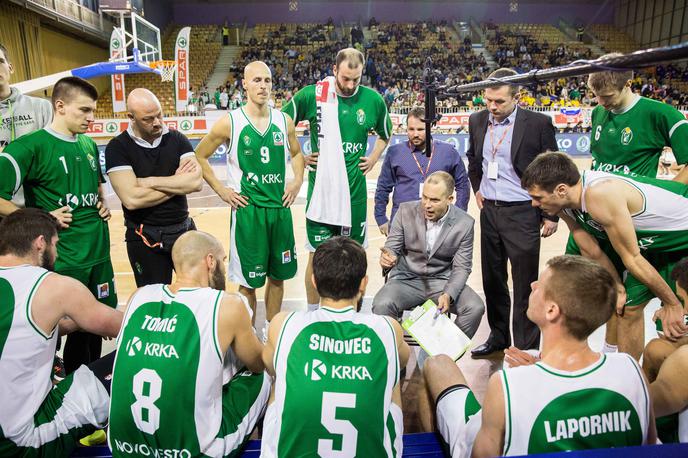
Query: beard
(48, 261)
(344, 91)
(217, 279)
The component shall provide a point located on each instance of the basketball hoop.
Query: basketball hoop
(166, 67)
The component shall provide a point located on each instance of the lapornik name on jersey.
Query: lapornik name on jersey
(589, 418)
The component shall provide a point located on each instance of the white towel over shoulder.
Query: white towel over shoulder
(331, 198)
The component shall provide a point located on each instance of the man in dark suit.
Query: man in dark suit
(503, 140)
(430, 252)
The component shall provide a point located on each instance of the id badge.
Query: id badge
(420, 190)
(492, 170)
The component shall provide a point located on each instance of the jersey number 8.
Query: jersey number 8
(147, 387)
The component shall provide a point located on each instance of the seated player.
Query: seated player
(37, 419)
(644, 219)
(178, 387)
(336, 371)
(665, 364)
(572, 399)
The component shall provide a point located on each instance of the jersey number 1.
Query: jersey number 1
(344, 428)
(64, 163)
(147, 386)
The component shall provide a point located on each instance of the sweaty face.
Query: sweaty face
(415, 130)
(77, 112)
(347, 78)
(435, 201)
(547, 201)
(500, 101)
(258, 84)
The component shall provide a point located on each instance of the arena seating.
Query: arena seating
(611, 39)
(205, 48)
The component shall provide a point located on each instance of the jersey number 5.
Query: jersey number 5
(330, 402)
(147, 386)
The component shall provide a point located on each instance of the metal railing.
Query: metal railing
(72, 13)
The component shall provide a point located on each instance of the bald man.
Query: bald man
(152, 169)
(188, 378)
(261, 140)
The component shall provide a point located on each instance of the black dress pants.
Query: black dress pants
(510, 233)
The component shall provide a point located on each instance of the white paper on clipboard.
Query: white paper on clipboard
(436, 335)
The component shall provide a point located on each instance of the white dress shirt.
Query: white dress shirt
(432, 231)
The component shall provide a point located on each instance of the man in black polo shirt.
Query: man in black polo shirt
(152, 169)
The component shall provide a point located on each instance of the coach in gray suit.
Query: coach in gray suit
(430, 252)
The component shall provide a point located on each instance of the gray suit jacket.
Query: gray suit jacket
(451, 257)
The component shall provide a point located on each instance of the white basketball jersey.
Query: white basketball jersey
(548, 410)
(26, 351)
(169, 342)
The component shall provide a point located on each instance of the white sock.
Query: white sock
(607, 348)
(312, 307)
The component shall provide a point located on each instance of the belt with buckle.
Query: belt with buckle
(503, 203)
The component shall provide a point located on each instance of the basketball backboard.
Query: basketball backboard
(141, 38)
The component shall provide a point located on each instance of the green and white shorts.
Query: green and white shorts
(261, 245)
(73, 409)
(319, 232)
(458, 419)
(244, 400)
(99, 279)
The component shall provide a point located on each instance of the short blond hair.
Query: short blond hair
(609, 80)
(442, 177)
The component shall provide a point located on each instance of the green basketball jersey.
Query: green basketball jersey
(662, 225)
(335, 373)
(547, 410)
(632, 141)
(166, 395)
(258, 161)
(358, 115)
(56, 171)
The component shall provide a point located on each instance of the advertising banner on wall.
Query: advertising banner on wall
(181, 55)
(117, 49)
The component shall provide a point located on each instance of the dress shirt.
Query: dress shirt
(401, 173)
(432, 231)
(507, 186)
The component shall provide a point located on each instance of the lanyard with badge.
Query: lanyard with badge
(492, 167)
(423, 174)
